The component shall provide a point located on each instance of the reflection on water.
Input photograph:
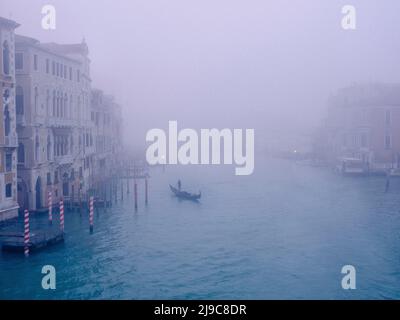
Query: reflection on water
(284, 232)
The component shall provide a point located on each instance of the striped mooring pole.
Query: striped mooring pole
(135, 194)
(26, 233)
(50, 204)
(62, 215)
(91, 212)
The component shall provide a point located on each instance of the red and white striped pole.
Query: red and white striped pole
(26, 233)
(91, 211)
(62, 215)
(50, 204)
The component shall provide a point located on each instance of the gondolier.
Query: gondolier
(185, 195)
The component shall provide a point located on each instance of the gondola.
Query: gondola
(185, 195)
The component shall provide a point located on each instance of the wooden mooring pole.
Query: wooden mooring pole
(104, 195)
(146, 192)
(135, 194)
(108, 192)
(80, 201)
(115, 191)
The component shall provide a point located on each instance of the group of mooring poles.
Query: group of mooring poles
(91, 211)
(27, 225)
(135, 191)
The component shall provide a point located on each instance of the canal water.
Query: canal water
(284, 232)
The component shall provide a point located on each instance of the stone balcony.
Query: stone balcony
(60, 122)
(64, 160)
(10, 141)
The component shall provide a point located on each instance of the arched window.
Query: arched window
(6, 114)
(6, 58)
(48, 147)
(61, 105)
(19, 100)
(54, 103)
(36, 99)
(48, 103)
(37, 148)
(58, 104)
(78, 112)
(21, 153)
(66, 145)
(70, 107)
(65, 105)
(7, 122)
(6, 97)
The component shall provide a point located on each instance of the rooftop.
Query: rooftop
(61, 50)
(80, 48)
(8, 23)
(373, 94)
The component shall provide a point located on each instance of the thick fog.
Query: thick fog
(268, 65)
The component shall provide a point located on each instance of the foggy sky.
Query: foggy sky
(268, 65)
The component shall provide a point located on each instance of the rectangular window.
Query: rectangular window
(78, 75)
(19, 103)
(65, 72)
(48, 178)
(363, 140)
(19, 61)
(70, 73)
(8, 190)
(53, 68)
(55, 177)
(35, 62)
(57, 69)
(355, 141)
(388, 142)
(8, 162)
(47, 66)
(388, 117)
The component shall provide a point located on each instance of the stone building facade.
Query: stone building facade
(107, 119)
(363, 122)
(8, 134)
(55, 132)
